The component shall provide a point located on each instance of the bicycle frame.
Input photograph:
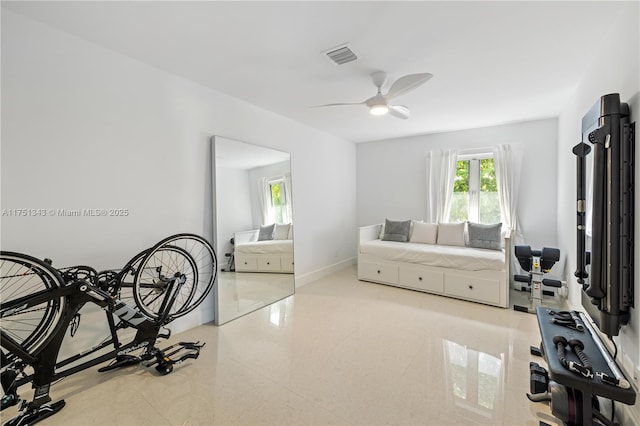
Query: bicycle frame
(166, 281)
(78, 293)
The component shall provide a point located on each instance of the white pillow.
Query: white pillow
(425, 233)
(282, 231)
(451, 234)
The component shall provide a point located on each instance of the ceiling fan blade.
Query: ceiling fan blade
(338, 104)
(399, 111)
(406, 84)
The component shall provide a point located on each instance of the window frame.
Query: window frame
(269, 183)
(473, 213)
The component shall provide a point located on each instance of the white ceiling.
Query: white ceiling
(234, 154)
(493, 62)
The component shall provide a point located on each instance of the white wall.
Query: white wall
(391, 175)
(233, 200)
(84, 127)
(614, 69)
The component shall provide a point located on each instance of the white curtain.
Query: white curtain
(265, 200)
(508, 162)
(441, 174)
(287, 215)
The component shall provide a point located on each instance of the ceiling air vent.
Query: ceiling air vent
(341, 55)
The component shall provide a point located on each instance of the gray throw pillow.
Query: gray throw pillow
(485, 236)
(266, 232)
(396, 231)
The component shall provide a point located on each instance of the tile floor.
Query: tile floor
(338, 352)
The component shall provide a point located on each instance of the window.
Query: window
(475, 190)
(276, 199)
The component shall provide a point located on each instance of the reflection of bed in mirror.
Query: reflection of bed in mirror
(252, 193)
(254, 255)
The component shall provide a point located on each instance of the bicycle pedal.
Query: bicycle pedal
(165, 366)
(9, 400)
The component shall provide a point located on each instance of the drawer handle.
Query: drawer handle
(419, 278)
(245, 263)
(268, 263)
(470, 287)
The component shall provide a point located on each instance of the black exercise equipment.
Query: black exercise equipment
(231, 257)
(568, 319)
(584, 366)
(536, 263)
(579, 369)
(605, 171)
(539, 379)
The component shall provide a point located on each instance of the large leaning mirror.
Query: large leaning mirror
(253, 227)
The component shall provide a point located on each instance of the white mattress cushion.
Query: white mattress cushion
(266, 247)
(454, 257)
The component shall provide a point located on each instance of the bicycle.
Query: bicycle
(40, 303)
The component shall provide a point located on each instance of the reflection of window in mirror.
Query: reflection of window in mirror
(276, 200)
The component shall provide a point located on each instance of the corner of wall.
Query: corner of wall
(309, 277)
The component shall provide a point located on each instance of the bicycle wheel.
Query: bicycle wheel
(119, 283)
(22, 276)
(187, 257)
(151, 289)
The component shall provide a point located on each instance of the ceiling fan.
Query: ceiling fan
(379, 104)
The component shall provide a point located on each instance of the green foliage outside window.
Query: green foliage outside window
(460, 199)
(461, 183)
(489, 205)
(489, 202)
(276, 201)
(488, 176)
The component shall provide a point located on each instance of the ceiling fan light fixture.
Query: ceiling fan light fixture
(381, 109)
(379, 103)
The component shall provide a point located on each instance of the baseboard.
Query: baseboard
(312, 276)
(201, 315)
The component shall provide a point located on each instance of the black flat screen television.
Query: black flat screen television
(605, 216)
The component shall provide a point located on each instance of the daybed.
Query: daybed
(459, 271)
(255, 253)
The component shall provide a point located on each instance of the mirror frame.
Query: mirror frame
(222, 259)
